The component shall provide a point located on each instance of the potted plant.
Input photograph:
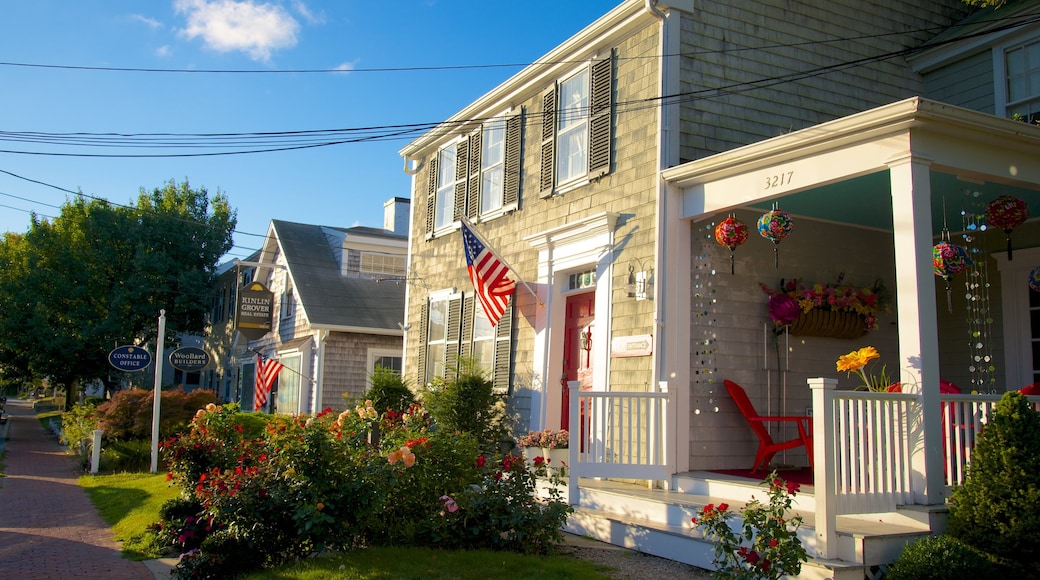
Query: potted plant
(549, 444)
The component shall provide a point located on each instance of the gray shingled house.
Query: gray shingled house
(339, 297)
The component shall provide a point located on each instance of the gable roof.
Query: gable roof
(329, 299)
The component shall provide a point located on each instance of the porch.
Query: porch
(868, 500)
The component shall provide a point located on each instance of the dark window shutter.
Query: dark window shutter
(473, 208)
(600, 116)
(547, 179)
(461, 169)
(424, 323)
(451, 346)
(466, 348)
(503, 374)
(431, 194)
(513, 160)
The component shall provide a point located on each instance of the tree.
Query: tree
(985, 3)
(97, 275)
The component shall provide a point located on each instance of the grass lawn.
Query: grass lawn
(129, 502)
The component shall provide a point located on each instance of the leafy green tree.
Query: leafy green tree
(96, 276)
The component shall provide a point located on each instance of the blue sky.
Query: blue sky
(339, 185)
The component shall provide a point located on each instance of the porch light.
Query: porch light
(638, 282)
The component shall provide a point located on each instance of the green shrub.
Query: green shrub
(77, 426)
(995, 510)
(389, 391)
(939, 558)
(131, 455)
(468, 404)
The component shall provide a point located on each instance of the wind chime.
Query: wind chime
(775, 225)
(731, 233)
(1007, 213)
(1034, 279)
(948, 259)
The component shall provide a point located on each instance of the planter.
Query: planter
(829, 323)
(555, 457)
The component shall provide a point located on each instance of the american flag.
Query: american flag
(488, 274)
(267, 370)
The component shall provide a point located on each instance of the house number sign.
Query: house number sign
(779, 180)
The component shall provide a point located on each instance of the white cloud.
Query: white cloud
(149, 22)
(163, 51)
(347, 66)
(307, 14)
(255, 28)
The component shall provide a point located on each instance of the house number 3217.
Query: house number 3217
(779, 180)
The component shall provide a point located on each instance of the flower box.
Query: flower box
(829, 323)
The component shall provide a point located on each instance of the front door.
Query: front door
(577, 348)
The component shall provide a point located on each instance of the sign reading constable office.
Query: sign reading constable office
(189, 359)
(130, 358)
(253, 314)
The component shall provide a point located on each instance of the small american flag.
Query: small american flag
(489, 276)
(266, 372)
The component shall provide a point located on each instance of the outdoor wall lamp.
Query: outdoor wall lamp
(638, 285)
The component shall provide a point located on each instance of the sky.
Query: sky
(195, 75)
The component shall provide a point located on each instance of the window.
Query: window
(382, 264)
(478, 176)
(454, 327)
(572, 128)
(1022, 74)
(288, 304)
(492, 166)
(288, 386)
(576, 127)
(444, 204)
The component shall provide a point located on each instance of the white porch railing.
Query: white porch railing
(617, 434)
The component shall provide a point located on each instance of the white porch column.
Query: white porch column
(918, 330)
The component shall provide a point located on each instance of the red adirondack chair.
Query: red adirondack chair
(767, 448)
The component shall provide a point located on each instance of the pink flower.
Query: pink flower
(783, 309)
(449, 504)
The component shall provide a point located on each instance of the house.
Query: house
(600, 173)
(338, 312)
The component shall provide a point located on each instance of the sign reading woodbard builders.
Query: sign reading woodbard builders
(253, 314)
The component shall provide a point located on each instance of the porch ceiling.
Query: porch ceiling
(866, 201)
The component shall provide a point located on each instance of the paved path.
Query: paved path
(48, 527)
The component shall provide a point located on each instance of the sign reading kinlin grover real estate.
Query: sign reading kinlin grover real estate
(253, 314)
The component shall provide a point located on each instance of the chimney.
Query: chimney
(395, 215)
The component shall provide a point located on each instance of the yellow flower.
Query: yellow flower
(855, 361)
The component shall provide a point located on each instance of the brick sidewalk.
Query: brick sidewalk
(48, 527)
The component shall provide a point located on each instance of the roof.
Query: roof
(330, 299)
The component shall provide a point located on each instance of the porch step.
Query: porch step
(657, 522)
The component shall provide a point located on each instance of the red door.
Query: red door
(577, 348)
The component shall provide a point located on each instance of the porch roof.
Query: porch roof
(961, 146)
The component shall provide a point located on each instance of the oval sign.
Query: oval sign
(130, 358)
(189, 359)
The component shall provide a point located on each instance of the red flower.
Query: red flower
(693, 520)
(708, 508)
(773, 543)
(723, 507)
(507, 462)
(481, 461)
(538, 460)
(752, 557)
(792, 488)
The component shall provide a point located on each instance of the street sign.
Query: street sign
(253, 313)
(130, 358)
(189, 359)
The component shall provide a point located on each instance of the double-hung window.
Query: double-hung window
(444, 196)
(1022, 80)
(478, 176)
(492, 165)
(577, 126)
(454, 328)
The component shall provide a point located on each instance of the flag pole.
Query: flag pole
(469, 224)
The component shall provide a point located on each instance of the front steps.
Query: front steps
(657, 522)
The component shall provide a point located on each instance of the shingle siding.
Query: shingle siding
(965, 83)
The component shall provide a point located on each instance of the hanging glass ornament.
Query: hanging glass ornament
(731, 233)
(949, 260)
(1034, 279)
(775, 225)
(1007, 213)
